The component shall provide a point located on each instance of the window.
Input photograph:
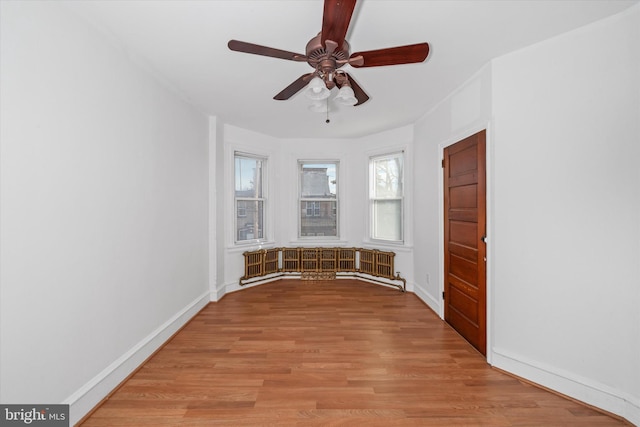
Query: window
(249, 197)
(318, 199)
(386, 197)
(313, 208)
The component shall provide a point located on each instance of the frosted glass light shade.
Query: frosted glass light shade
(346, 96)
(317, 90)
(319, 107)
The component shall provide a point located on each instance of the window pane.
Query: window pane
(387, 219)
(248, 177)
(249, 222)
(318, 180)
(318, 218)
(387, 174)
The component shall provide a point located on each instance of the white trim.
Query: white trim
(632, 410)
(433, 303)
(231, 287)
(264, 195)
(489, 241)
(577, 387)
(318, 241)
(381, 244)
(213, 194)
(230, 150)
(407, 195)
(372, 199)
(91, 394)
(250, 245)
(218, 293)
(339, 191)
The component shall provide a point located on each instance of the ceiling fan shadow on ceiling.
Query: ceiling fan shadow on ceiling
(327, 52)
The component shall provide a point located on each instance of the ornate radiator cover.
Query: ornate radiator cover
(320, 263)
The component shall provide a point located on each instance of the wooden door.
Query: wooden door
(464, 234)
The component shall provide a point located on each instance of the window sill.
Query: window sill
(318, 242)
(251, 246)
(381, 244)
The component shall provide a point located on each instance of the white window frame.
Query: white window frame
(263, 199)
(300, 200)
(373, 198)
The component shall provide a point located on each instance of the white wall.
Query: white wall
(217, 209)
(567, 213)
(103, 213)
(563, 209)
(463, 113)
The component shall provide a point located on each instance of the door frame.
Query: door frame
(457, 137)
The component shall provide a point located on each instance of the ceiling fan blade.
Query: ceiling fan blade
(256, 49)
(392, 56)
(361, 96)
(294, 87)
(335, 20)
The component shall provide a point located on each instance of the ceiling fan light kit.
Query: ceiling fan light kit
(327, 52)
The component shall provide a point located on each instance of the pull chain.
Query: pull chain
(327, 121)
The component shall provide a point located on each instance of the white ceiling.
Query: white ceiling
(184, 43)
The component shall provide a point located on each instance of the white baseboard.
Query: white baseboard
(231, 287)
(99, 387)
(633, 412)
(235, 286)
(576, 387)
(427, 298)
(218, 293)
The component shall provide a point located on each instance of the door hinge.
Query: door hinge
(442, 294)
(443, 162)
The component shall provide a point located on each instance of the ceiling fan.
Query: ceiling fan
(329, 51)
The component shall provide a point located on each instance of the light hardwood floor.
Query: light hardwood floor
(329, 353)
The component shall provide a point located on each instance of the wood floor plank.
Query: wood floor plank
(330, 353)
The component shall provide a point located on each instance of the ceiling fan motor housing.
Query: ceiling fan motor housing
(316, 53)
